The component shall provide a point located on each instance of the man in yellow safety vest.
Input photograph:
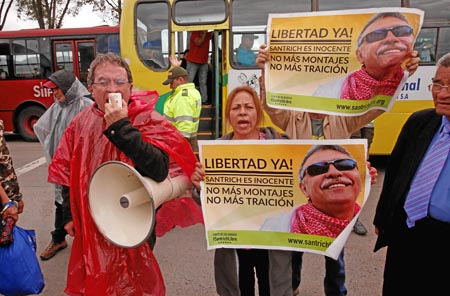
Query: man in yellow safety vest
(182, 108)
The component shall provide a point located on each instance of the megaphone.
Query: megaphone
(123, 203)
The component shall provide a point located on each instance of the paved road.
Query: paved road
(186, 265)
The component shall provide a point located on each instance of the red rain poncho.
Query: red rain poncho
(96, 266)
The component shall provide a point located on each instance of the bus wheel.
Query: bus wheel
(27, 118)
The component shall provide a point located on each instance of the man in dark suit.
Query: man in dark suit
(418, 254)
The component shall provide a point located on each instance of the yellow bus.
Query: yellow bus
(169, 24)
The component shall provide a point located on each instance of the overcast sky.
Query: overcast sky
(85, 19)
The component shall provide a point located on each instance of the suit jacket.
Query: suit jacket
(412, 143)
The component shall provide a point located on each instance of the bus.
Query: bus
(28, 57)
(171, 22)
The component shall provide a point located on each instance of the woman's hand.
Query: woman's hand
(263, 56)
(198, 175)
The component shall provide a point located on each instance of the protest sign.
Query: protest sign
(249, 184)
(339, 62)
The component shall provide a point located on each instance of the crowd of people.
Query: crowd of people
(84, 129)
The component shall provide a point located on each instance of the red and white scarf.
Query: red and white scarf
(361, 86)
(309, 220)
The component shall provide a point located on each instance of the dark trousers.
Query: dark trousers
(59, 234)
(417, 260)
(151, 240)
(249, 262)
(334, 282)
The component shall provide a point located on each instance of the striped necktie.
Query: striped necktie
(416, 204)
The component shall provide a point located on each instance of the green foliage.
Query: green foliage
(109, 10)
(48, 14)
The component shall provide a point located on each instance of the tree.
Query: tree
(110, 10)
(49, 13)
(4, 10)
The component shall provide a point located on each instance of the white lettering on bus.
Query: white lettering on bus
(40, 91)
(413, 85)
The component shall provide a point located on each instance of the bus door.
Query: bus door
(209, 127)
(74, 55)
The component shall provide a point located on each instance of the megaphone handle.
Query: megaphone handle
(179, 185)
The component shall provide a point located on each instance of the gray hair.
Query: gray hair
(444, 61)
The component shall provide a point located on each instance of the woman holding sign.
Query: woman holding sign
(245, 115)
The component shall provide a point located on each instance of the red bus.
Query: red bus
(28, 57)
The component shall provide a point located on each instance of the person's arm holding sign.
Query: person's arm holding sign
(280, 117)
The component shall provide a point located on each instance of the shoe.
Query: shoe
(359, 228)
(52, 249)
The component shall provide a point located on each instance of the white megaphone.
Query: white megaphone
(123, 203)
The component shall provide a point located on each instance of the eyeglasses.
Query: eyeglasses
(104, 83)
(380, 34)
(438, 87)
(319, 168)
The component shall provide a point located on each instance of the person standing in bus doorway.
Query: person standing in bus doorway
(182, 108)
(412, 217)
(244, 54)
(198, 60)
(133, 133)
(71, 97)
(245, 115)
(305, 125)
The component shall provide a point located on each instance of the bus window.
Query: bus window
(86, 55)
(200, 12)
(114, 43)
(152, 35)
(245, 48)
(26, 58)
(45, 57)
(444, 42)
(108, 43)
(426, 45)
(64, 56)
(4, 57)
(338, 5)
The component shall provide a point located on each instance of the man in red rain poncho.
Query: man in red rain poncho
(134, 134)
